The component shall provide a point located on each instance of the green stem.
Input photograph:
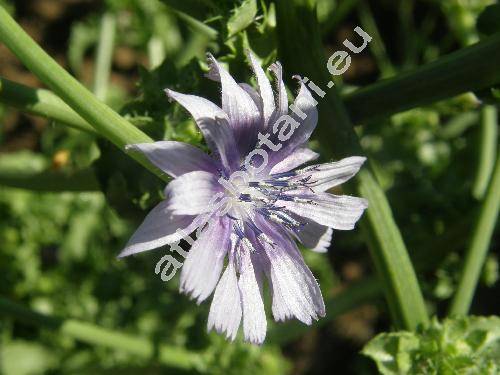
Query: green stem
(84, 180)
(92, 334)
(41, 102)
(476, 254)
(487, 150)
(195, 24)
(390, 255)
(106, 121)
(340, 11)
(377, 44)
(469, 69)
(104, 55)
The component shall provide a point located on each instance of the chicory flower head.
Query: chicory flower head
(271, 203)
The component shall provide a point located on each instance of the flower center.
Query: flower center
(261, 195)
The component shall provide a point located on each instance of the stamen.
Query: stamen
(284, 174)
(281, 216)
(277, 183)
(238, 231)
(245, 198)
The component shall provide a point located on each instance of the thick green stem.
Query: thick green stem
(487, 150)
(92, 334)
(104, 55)
(469, 69)
(299, 38)
(84, 180)
(476, 254)
(41, 102)
(104, 120)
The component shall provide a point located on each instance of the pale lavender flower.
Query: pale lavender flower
(267, 213)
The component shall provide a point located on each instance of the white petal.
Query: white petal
(327, 175)
(265, 89)
(335, 211)
(202, 268)
(298, 157)
(254, 95)
(175, 158)
(282, 100)
(254, 316)
(307, 104)
(295, 291)
(159, 228)
(192, 193)
(225, 311)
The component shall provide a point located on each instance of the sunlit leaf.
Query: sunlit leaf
(468, 345)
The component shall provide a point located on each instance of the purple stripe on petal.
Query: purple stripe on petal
(306, 104)
(243, 114)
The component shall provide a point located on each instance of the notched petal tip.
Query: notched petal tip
(213, 68)
(275, 67)
(297, 77)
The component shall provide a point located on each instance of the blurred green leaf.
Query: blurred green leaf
(25, 358)
(83, 36)
(488, 21)
(490, 271)
(242, 17)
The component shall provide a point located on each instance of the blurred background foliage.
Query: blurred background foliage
(58, 249)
